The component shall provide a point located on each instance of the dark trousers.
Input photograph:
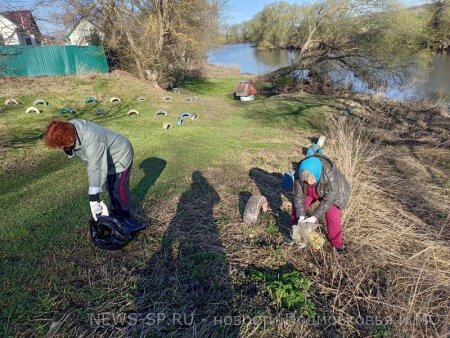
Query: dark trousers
(119, 193)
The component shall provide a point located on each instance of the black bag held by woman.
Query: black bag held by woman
(114, 232)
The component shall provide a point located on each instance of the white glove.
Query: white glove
(98, 208)
(300, 219)
(312, 219)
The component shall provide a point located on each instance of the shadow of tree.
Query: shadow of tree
(112, 111)
(26, 137)
(19, 141)
(19, 177)
(417, 199)
(186, 282)
(288, 113)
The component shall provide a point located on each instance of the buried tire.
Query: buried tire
(184, 115)
(40, 102)
(132, 111)
(32, 109)
(66, 110)
(161, 112)
(90, 99)
(255, 205)
(10, 102)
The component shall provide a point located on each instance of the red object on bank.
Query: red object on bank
(245, 88)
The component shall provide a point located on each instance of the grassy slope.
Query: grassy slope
(48, 268)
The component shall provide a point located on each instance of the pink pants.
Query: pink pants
(332, 216)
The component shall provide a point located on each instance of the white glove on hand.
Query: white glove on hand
(312, 219)
(300, 219)
(98, 208)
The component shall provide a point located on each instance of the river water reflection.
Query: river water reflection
(432, 83)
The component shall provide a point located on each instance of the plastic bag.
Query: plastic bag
(305, 235)
(114, 232)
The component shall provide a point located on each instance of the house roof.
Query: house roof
(23, 19)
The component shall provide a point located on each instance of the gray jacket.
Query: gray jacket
(104, 152)
(333, 188)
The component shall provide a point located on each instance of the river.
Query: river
(432, 83)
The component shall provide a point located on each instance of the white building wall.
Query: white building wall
(80, 35)
(23, 39)
(11, 36)
(7, 30)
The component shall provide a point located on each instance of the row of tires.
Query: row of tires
(90, 99)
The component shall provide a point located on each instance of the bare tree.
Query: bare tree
(364, 36)
(160, 36)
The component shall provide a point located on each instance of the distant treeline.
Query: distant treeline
(284, 25)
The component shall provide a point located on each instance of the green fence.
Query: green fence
(51, 60)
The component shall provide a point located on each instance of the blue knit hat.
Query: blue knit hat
(313, 165)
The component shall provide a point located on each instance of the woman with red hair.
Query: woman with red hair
(107, 155)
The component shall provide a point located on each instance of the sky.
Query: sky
(243, 10)
(239, 11)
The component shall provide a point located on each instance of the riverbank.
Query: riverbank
(197, 259)
(422, 83)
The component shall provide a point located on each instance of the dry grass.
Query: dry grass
(393, 280)
(216, 71)
(398, 267)
(196, 255)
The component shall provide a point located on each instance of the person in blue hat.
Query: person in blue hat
(318, 179)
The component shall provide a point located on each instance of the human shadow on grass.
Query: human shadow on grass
(186, 283)
(244, 196)
(269, 185)
(153, 168)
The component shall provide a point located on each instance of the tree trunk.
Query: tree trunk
(152, 76)
(312, 31)
(161, 14)
(305, 47)
(137, 55)
(139, 67)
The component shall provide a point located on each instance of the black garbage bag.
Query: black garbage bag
(114, 232)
